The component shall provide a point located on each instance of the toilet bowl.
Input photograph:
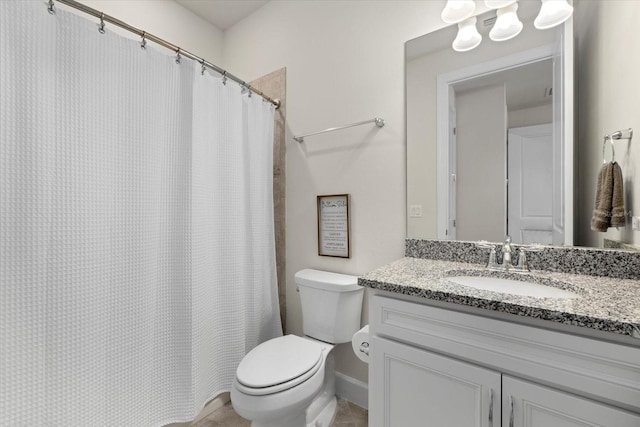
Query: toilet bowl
(289, 381)
(273, 389)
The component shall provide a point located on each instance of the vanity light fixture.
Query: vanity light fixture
(507, 24)
(552, 13)
(458, 10)
(468, 36)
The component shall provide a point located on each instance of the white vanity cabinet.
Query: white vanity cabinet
(526, 404)
(437, 367)
(415, 387)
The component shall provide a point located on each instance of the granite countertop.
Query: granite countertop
(603, 303)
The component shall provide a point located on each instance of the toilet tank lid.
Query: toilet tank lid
(335, 282)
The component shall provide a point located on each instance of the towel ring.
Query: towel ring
(613, 151)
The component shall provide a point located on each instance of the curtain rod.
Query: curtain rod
(147, 36)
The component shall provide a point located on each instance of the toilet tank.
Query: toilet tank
(331, 305)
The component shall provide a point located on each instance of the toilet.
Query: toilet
(289, 381)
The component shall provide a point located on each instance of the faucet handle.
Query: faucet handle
(484, 244)
(492, 263)
(534, 247)
(522, 255)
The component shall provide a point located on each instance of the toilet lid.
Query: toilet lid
(278, 361)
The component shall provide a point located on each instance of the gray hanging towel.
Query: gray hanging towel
(604, 197)
(618, 218)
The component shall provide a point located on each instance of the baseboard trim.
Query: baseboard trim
(353, 390)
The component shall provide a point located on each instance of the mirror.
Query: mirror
(439, 204)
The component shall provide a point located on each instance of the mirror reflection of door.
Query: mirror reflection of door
(495, 190)
(481, 163)
(530, 184)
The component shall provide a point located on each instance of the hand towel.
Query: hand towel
(604, 195)
(618, 218)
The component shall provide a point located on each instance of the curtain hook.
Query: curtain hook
(50, 8)
(143, 44)
(101, 25)
(178, 56)
(224, 77)
(203, 67)
(249, 89)
(243, 88)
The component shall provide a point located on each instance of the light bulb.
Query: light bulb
(552, 13)
(468, 36)
(458, 10)
(507, 25)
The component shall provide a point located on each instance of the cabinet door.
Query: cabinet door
(411, 387)
(525, 404)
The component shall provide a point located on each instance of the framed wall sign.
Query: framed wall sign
(333, 225)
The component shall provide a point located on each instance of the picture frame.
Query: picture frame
(333, 226)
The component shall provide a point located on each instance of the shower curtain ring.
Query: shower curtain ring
(101, 25)
(50, 8)
(203, 67)
(224, 77)
(178, 56)
(249, 89)
(143, 44)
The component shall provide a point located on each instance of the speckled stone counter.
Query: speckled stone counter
(562, 259)
(603, 303)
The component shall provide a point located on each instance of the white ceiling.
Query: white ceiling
(223, 13)
(526, 85)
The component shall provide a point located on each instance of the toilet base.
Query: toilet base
(318, 413)
(321, 411)
(286, 409)
(325, 417)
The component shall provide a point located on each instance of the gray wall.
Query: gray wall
(481, 159)
(608, 99)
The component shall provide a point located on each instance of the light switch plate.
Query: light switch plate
(415, 211)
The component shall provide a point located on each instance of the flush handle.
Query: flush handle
(364, 348)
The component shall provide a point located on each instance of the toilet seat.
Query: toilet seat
(278, 364)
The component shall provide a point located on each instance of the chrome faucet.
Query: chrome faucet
(506, 254)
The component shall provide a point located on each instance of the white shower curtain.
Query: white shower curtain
(137, 262)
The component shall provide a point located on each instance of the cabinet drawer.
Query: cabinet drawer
(604, 371)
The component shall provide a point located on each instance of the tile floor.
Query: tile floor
(347, 415)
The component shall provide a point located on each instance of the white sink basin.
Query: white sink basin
(513, 287)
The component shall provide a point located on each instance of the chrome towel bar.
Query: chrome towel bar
(377, 120)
